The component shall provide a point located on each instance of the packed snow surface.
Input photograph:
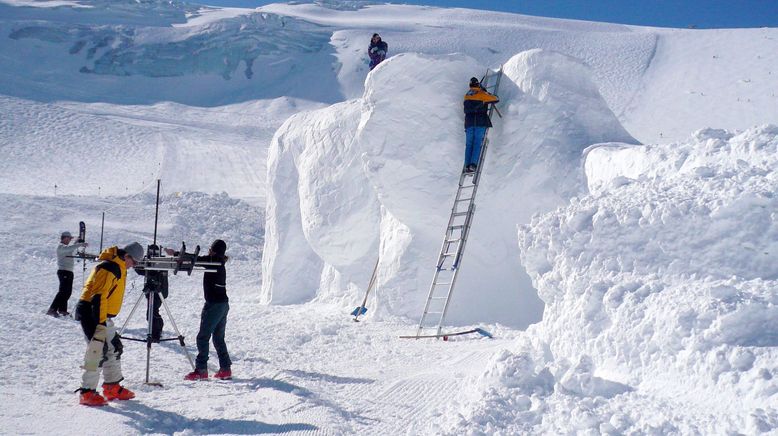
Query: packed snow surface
(622, 254)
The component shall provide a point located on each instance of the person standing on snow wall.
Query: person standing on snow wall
(477, 102)
(377, 50)
(213, 319)
(100, 301)
(65, 274)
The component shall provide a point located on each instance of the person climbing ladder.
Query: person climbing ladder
(476, 105)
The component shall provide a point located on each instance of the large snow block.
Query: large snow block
(379, 174)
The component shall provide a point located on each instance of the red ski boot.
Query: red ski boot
(223, 374)
(198, 374)
(91, 398)
(113, 391)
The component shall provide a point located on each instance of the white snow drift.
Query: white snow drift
(661, 312)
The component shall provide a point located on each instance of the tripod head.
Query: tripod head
(156, 281)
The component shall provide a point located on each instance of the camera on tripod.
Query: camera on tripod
(155, 281)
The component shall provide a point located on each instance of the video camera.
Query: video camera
(155, 280)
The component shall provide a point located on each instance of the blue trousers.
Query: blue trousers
(474, 139)
(213, 322)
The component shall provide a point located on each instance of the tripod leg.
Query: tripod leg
(149, 317)
(124, 326)
(175, 328)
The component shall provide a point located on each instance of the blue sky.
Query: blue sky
(704, 14)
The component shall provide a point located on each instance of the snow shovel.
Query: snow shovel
(361, 310)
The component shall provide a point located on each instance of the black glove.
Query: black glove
(117, 345)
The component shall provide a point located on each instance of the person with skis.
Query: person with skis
(213, 318)
(377, 50)
(101, 300)
(477, 101)
(59, 307)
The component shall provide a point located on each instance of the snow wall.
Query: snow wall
(374, 178)
(660, 298)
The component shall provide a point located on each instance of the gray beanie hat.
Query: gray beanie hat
(135, 250)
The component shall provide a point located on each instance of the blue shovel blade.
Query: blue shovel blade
(359, 311)
(483, 332)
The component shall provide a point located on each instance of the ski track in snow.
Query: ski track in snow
(353, 378)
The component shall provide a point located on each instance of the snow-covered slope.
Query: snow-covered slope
(660, 83)
(80, 147)
(163, 51)
(652, 264)
(697, 79)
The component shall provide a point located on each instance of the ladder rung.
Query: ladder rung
(434, 313)
(448, 241)
(460, 213)
(449, 254)
(463, 199)
(442, 283)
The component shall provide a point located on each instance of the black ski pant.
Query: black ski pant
(60, 303)
(213, 321)
(156, 320)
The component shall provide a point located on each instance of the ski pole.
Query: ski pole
(497, 110)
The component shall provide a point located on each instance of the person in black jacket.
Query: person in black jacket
(476, 106)
(213, 319)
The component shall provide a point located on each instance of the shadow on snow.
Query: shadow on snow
(148, 420)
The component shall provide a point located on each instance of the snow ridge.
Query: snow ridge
(659, 289)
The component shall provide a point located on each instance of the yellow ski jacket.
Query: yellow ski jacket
(105, 286)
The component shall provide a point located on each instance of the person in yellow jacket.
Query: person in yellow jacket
(101, 300)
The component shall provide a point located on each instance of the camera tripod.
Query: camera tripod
(152, 291)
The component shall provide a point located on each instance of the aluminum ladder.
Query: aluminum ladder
(455, 239)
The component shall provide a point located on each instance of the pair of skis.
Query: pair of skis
(82, 254)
